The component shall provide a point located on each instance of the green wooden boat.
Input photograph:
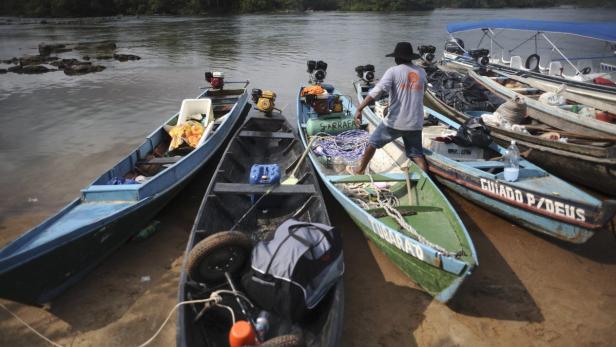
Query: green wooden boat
(434, 249)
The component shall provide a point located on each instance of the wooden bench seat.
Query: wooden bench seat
(488, 164)
(267, 134)
(246, 188)
(160, 161)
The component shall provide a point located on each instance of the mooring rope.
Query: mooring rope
(349, 145)
(214, 297)
(397, 216)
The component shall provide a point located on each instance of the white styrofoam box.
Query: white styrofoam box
(196, 106)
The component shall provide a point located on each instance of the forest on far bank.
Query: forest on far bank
(91, 8)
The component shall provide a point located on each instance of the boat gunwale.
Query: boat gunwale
(435, 257)
(606, 209)
(608, 154)
(31, 234)
(337, 291)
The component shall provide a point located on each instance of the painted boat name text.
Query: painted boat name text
(549, 205)
(402, 243)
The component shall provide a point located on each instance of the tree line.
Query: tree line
(86, 8)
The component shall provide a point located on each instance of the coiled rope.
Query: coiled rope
(397, 216)
(349, 145)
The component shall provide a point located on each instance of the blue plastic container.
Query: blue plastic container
(264, 174)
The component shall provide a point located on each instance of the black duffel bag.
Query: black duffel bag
(473, 132)
(294, 269)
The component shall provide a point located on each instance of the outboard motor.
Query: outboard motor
(481, 56)
(264, 100)
(317, 71)
(427, 53)
(215, 79)
(365, 72)
(455, 46)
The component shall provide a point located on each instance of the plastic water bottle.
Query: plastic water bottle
(512, 162)
(262, 324)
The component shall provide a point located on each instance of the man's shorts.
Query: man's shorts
(412, 139)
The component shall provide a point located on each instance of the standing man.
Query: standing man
(405, 83)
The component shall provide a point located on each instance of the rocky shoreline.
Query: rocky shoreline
(48, 59)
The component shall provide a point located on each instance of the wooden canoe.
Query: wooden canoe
(447, 256)
(602, 93)
(260, 140)
(54, 255)
(537, 200)
(551, 115)
(586, 163)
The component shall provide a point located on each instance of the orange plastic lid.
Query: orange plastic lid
(241, 334)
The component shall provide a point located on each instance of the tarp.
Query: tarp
(605, 31)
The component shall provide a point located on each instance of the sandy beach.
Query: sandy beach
(528, 290)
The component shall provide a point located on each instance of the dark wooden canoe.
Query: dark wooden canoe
(261, 140)
(54, 255)
(588, 164)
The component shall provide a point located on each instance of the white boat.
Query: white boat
(582, 80)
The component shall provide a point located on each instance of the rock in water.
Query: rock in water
(96, 46)
(29, 69)
(35, 59)
(47, 49)
(82, 69)
(3, 71)
(126, 57)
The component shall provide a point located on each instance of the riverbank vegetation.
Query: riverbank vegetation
(81, 8)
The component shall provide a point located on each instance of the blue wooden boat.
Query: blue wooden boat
(227, 202)
(437, 253)
(537, 200)
(54, 255)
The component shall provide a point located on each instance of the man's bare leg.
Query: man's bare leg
(368, 154)
(421, 162)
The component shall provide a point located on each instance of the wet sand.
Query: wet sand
(528, 290)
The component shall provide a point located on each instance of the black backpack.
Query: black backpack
(473, 132)
(294, 269)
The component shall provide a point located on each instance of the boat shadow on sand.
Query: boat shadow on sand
(494, 284)
(380, 308)
(139, 269)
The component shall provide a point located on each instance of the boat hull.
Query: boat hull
(599, 92)
(422, 265)
(325, 326)
(514, 202)
(549, 226)
(596, 172)
(48, 274)
(38, 274)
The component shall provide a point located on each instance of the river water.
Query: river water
(59, 132)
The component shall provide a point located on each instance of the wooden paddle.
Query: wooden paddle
(292, 180)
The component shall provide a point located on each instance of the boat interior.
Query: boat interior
(474, 100)
(411, 193)
(256, 210)
(153, 156)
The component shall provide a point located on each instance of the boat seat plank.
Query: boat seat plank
(267, 134)
(246, 188)
(385, 177)
(489, 164)
(160, 161)
(223, 97)
(404, 210)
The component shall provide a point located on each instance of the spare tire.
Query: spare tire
(217, 254)
(284, 341)
(532, 62)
